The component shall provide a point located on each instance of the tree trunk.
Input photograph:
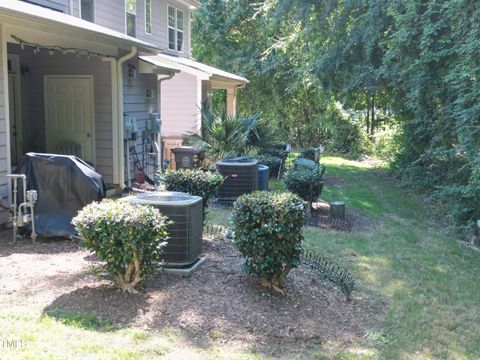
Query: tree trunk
(125, 281)
(277, 281)
(372, 122)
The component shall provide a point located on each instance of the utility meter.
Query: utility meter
(130, 127)
(154, 123)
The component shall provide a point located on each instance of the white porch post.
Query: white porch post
(231, 102)
(115, 123)
(6, 102)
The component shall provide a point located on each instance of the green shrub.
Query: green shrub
(268, 233)
(272, 151)
(307, 153)
(273, 162)
(308, 184)
(194, 182)
(128, 238)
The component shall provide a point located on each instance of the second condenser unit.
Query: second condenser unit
(241, 177)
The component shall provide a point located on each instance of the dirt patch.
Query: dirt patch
(218, 303)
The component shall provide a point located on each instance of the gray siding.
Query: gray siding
(111, 14)
(33, 101)
(135, 102)
(59, 5)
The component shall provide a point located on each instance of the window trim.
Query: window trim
(176, 29)
(126, 17)
(80, 11)
(151, 17)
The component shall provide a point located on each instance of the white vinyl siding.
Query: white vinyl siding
(180, 105)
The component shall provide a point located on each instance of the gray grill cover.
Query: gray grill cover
(65, 184)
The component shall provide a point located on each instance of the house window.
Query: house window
(131, 14)
(86, 10)
(175, 29)
(148, 17)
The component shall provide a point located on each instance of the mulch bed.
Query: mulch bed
(219, 303)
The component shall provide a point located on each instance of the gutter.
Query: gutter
(120, 145)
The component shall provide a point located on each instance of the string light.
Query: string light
(51, 49)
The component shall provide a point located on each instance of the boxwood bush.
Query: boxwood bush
(268, 233)
(308, 184)
(273, 162)
(128, 238)
(194, 182)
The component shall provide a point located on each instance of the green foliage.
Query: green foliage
(273, 163)
(128, 238)
(412, 63)
(307, 153)
(268, 233)
(194, 182)
(248, 39)
(308, 184)
(225, 136)
(387, 143)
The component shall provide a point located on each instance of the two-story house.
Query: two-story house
(71, 69)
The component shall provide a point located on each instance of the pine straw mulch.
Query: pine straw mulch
(219, 303)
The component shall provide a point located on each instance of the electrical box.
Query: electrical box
(154, 123)
(130, 127)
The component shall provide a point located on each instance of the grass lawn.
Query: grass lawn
(428, 281)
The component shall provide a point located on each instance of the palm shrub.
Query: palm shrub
(128, 238)
(224, 136)
(194, 182)
(306, 183)
(268, 233)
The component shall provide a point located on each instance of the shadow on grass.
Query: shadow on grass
(101, 308)
(84, 321)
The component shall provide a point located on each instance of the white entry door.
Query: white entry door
(69, 114)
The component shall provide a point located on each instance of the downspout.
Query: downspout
(121, 152)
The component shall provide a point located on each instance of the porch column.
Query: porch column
(231, 102)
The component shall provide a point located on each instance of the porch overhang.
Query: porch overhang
(219, 78)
